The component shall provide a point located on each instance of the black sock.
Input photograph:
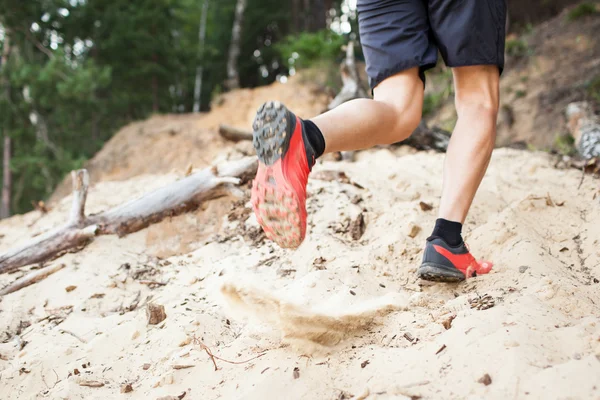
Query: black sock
(316, 141)
(448, 231)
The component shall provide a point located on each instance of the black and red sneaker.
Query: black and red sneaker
(279, 188)
(444, 263)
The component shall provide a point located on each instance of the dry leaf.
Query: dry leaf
(319, 263)
(482, 302)
(425, 207)
(70, 288)
(358, 227)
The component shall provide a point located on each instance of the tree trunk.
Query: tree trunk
(6, 172)
(200, 68)
(306, 16)
(95, 130)
(234, 134)
(233, 76)
(6, 179)
(154, 94)
(319, 15)
(295, 16)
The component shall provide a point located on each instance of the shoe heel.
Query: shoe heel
(272, 132)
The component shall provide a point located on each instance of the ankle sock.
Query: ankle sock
(449, 231)
(315, 139)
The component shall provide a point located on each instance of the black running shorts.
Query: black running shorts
(400, 34)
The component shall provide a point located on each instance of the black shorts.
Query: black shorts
(400, 34)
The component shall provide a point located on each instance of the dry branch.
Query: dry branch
(173, 199)
(234, 134)
(31, 278)
(352, 86)
(72, 234)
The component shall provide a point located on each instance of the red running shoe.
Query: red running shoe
(279, 189)
(443, 263)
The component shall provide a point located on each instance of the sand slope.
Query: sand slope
(541, 339)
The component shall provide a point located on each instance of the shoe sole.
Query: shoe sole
(439, 273)
(274, 200)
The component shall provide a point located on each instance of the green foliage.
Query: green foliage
(582, 10)
(432, 102)
(593, 89)
(517, 48)
(323, 73)
(440, 80)
(81, 69)
(565, 144)
(306, 49)
(519, 94)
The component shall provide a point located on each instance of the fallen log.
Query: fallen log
(48, 245)
(425, 138)
(174, 199)
(234, 134)
(178, 197)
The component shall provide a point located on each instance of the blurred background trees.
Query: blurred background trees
(73, 71)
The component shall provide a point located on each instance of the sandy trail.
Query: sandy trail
(541, 339)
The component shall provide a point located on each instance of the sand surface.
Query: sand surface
(340, 317)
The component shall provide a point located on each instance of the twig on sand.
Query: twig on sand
(214, 357)
(582, 176)
(31, 278)
(82, 340)
(152, 283)
(89, 383)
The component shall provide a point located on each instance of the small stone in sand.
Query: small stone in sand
(70, 288)
(486, 380)
(413, 230)
(447, 323)
(296, 373)
(155, 313)
(126, 388)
